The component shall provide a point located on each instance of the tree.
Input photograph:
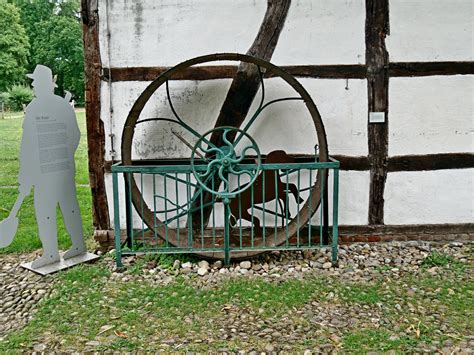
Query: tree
(58, 45)
(55, 33)
(14, 46)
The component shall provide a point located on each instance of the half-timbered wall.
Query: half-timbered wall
(411, 59)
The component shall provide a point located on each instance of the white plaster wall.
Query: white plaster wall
(286, 125)
(431, 115)
(154, 33)
(323, 32)
(195, 102)
(431, 30)
(353, 198)
(441, 196)
(164, 33)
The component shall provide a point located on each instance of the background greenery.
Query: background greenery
(44, 32)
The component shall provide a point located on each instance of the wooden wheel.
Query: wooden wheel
(150, 219)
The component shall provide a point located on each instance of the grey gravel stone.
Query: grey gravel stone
(202, 271)
(245, 265)
(21, 290)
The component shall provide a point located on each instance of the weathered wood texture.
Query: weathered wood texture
(431, 162)
(95, 127)
(351, 163)
(376, 55)
(458, 228)
(430, 68)
(229, 71)
(356, 71)
(246, 82)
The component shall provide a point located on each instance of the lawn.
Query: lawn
(91, 310)
(27, 236)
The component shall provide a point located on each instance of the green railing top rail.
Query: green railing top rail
(202, 166)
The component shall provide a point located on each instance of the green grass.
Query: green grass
(10, 139)
(27, 236)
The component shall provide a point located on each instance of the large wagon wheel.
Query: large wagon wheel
(153, 222)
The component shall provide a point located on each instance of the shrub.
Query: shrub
(4, 98)
(18, 95)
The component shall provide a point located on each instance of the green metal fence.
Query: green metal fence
(165, 208)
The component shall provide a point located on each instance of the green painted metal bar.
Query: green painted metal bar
(226, 232)
(177, 202)
(117, 234)
(287, 207)
(155, 237)
(252, 231)
(238, 167)
(240, 214)
(263, 207)
(275, 177)
(130, 236)
(335, 213)
(190, 216)
(321, 206)
(213, 219)
(310, 207)
(172, 173)
(298, 208)
(202, 219)
(141, 208)
(165, 191)
(177, 179)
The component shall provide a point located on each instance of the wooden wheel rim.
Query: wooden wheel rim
(141, 207)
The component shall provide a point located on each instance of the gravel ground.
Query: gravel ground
(21, 290)
(357, 262)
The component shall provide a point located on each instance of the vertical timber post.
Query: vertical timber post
(377, 61)
(118, 241)
(335, 214)
(95, 127)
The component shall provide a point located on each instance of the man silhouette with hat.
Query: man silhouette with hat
(50, 139)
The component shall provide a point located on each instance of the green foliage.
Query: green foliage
(14, 46)
(437, 259)
(17, 96)
(54, 30)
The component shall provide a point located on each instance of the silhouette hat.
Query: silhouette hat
(42, 73)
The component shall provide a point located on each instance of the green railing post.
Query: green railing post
(226, 231)
(117, 238)
(335, 211)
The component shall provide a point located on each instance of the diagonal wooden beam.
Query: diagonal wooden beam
(246, 83)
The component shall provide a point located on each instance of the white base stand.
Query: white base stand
(61, 264)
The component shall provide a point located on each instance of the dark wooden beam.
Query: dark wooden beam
(95, 127)
(355, 71)
(431, 162)
(430, 68)
(352, 163)
(228, 71)
(361, 163)
(376, 56)
(209, 72)
(455, 228)
(244, 87)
